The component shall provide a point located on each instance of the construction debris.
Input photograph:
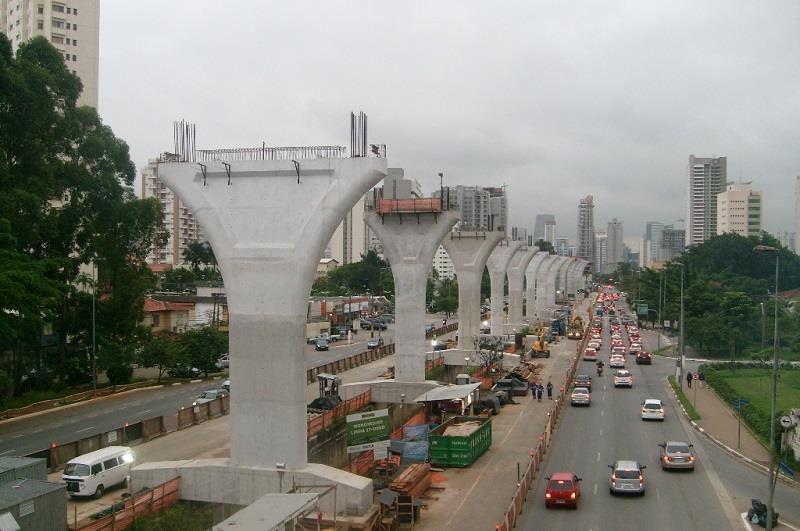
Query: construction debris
(413, 481)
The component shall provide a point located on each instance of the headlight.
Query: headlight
(127, 457)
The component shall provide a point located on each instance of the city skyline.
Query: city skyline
(551, 138)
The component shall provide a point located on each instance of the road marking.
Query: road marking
(145, 411)
(84, 429)
(595, 489)
(602, 413)
(18, 436)
(658, 494)
(601, 432)
(8, 452)
(598, 456)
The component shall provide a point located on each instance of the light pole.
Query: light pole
(763, 326)
(94, 331)
(682, 351)
(773, 402)
(658, 337)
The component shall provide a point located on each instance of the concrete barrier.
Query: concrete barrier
(185, 418)
(152, 428)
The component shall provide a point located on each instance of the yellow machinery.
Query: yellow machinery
(575, 328)
(541, 349)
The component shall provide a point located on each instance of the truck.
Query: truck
(575, 328)
(540, 349)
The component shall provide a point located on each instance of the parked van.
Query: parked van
(91, 474)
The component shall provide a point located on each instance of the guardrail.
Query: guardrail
(347, 407)
(124, 514)
(536, 456)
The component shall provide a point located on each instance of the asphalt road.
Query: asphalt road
(589, 439)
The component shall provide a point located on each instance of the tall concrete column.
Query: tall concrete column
(570, 277)
(498, 265)
(552, 280)
(561, 283)
(409, 243)
(530, 281)
(541, 284)
(268, 228)
(516, 276)
(469, 252)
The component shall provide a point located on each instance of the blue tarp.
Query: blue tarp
(416, 433)
(415, 451)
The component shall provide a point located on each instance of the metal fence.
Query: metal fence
(345, 408)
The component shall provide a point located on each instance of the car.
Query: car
(595, 344)
(644, 358)
(618, 350)
(678, 455)
(635, 347)
(580, 397)
(652, 409)
(590, 354)
(627, 477)
(375, 342)
(377, 325)
(563, 488)
(623, 378)
(616, 362)
(183, 371)
(226, 385)
(224, 362)
(582, 380)
(208, 396)
(322, 344)
(365, 324)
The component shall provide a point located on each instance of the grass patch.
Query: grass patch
(435, 373)
(687, 405)
(662, 350)
(31, 397)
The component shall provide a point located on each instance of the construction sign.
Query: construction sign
(364, 430)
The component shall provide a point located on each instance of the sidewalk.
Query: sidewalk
(721, 422)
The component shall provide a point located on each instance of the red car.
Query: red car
(563, 488)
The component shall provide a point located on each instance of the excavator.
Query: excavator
(541, 348)
(575, 328)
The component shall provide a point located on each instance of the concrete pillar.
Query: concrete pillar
(561, 283)
(541, 284)
(570, 282)
(268, 228)
(409, 243)
(469, 252)
(498, 265)
(516, 275)
(552, 280)
(530, 280)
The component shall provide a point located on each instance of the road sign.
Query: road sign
(642, 309)
(786, 422)
(739, 403)
(369, 427)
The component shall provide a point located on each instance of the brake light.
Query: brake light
(613, 477)
(572, 495)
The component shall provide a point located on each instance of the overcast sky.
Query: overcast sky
(557, 100)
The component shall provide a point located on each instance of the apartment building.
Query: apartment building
(739, 210)
(707, 178)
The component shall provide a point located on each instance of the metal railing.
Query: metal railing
(272, 153)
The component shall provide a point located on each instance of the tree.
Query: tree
(545, 246)
(195, 254)
(162, 352)
(204, 347)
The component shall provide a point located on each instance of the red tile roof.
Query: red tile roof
(152, 305)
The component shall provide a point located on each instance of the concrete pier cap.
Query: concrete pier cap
(409, 243)
(268, 222)
(469, 251)
(497, 264)
(530, 281)
(516, 280)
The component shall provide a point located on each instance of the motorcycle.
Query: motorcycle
(599, 370)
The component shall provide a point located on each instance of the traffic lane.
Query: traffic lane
(341, 349)
(589, 439)
(36, 433)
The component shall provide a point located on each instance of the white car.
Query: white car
(652, 409)
(595, 344)
(616, 362)
(208, 396)
(590, 354)
(623, 378)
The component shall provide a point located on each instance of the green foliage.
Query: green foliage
(66, 200)
(119, 374)
(436, 373)
(163, 352)
(203, 347)
(486, 285)
(687, 405)
(445, 297)
(178, 279)
(370, 274)
(6, 388)
(545, 246)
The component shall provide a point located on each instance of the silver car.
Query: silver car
(627, 477)
(677, 454)
(581, 397)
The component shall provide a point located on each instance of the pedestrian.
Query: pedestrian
(539, 391)
(549, 390)
(702, 378)
(689, 379)
(533, 389)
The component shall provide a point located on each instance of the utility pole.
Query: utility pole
(658, 339)
(94, 329)
(683, 350)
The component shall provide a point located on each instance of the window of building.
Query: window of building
(57, 39)
(40, 24)
(75, 11)
(69, 26)
(40, 10)
(74, 42)
(69, 11)
(74, 57)
(58, 8)
(75, 27)
(68, 41)
(58, 23)
(156, 319)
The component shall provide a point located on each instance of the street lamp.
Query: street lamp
(680, 327)
(773, 402)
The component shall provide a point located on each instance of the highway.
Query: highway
(589, 439)
(31, 434)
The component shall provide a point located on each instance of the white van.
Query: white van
(91, 474)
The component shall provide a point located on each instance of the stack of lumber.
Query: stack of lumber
(413, 481)
(464, 429)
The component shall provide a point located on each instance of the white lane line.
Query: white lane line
(601, 432)
(18, 436)
(598, 456)
(602, 413)
(145, 411)
(595, 489)
(658, 494)
(84, 429)
(38, 431)
(8, 452)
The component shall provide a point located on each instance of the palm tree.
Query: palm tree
(195, 254)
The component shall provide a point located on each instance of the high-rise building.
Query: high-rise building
(739, 210)
(601, 253)
(544, 228)
(707, 178)
(479, 208)
(351, 239)
(178, 221)
(586, 230)
(652, 236)
(72, 26)
(615, 244)
(562, 246)
(519, 234)
(797, 213)
(787, 239)
(443, 264)
(673, 243)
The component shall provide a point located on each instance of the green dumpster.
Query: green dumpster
(460, 441)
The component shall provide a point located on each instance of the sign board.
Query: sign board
(112, 437)
(786, 422)
(666, 324)
(366, 428)
(642, 309)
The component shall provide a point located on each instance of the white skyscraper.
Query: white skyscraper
(443, 264)
(707, 178)
(601, 253)
(739, 210)
(72, 26)
(586, 235)
(178, 221)
(615, 243)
